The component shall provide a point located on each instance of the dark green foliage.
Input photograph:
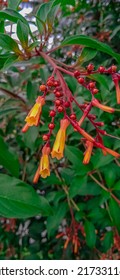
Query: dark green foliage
(91, 193)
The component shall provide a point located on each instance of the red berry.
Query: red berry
(50, 83)
(56, 83)
(52, 113)
(101, 69)
(76, 73)
(42, 87)
(113, 68)
(95, 91)
(58, 94)
(67, 104)
(60, 109)
(90, 67)
(57, 102)
(45, 137)
(91, 85)
(51, 126)
(73, 116)
(81, 80)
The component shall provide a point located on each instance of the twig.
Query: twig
(15, 96)
(65, 188)
(105, 189)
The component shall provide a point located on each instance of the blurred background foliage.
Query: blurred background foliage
(33, 236)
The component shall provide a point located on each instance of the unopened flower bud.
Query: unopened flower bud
(43, 87)
(73, 116)
(101, 69)
(81, 80)
(60, 109)
(52, 113)
(76, 73)
(90, 67)
(45, 137)
(51, 126)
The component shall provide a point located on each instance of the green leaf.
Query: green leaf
(77, 184)
(72, 83)
(110, 177)
(90, 234)
(19, 200)
(10, 61)
(51, 16)
(22, 33)
(7, 43)
(33, 45)
(2, 26)
(100, 217)
(14, 4)
(80, 186)
(91, 43)
(54, 221)
(65, 2)
(5, 112)
(115, 212)
(8, 159)
(31, 89)
(117, 186)
(107, 241)
(99, 160)
(3, 59)
(86, 55)
(42, 14)
(100, 79)
(30, 137)
(9, 14)
(115, 31)
(75, 156)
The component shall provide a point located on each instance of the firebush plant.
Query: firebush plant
(60, 136)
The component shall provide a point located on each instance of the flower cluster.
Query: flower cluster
(63, 102)
(71, 236)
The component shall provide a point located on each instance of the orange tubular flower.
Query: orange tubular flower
(76, 244)
(116, 82)
(96, 103)
(86, 135)
(81, 119)
(44, 170)
(34, 115)
(66, 243)
(88, 152)
(25, 128)
(111, 152)
(37, 175)
(59, 144)
(118, 93)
